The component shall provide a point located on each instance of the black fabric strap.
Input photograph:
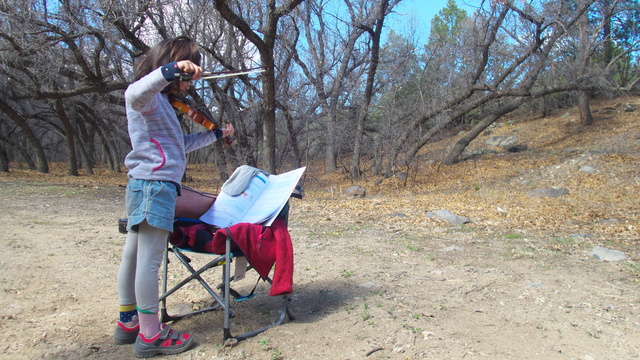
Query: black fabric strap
(203, 237)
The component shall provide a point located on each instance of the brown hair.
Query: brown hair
(166, 51)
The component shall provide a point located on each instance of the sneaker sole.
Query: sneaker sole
(123, 340)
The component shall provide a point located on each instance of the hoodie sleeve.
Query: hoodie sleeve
(140, 95)
(199, 140)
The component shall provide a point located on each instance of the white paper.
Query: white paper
(259, 203)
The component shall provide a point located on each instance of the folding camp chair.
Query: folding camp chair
(222, 293)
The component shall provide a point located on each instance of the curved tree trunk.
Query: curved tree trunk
(41, 159)
(454, 155)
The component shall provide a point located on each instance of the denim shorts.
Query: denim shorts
(151, 200)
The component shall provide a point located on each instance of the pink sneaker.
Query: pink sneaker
(125, 335)
(166, 342)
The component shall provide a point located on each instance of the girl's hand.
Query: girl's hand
(228, 131)
(189, 67)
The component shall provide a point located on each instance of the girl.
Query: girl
(156, 165)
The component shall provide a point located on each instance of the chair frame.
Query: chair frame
(222, 299)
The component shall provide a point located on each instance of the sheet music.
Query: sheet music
(259, 203)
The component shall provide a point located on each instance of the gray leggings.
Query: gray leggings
(138, 274)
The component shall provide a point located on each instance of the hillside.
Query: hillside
(491, 190)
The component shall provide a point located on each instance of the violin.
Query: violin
(197, 116)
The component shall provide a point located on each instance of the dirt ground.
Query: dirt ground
(375, 277)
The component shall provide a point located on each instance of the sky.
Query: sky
(418, 14)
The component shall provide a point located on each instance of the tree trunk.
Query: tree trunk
(41, 159)
(376, 161)
(331, 153)
(87, 163)
(375, 33)
(586, 118)
(329, 96)
(293, 139)
(583, 65)
(85, 145)
(269, 109)
(4, 159)
(265, 47)
(109, 147)
(454, 155)
(68, 131)
(606, 32)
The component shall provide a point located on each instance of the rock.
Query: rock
(356, 191)
(449, 216)
(517, 148)
(604, 254)
(399, 215)
(502, 141)
(453, 249)
(230, 342)
(552, 192)
(402, 176)
(588, 169)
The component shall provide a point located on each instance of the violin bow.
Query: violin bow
(221, 74)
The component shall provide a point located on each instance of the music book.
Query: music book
(259, 203)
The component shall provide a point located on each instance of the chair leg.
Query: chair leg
(221, 300)
(285, 312)
(227, 280)
(195, 275)
(163, 301)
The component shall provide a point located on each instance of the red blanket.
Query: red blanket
(263, 247)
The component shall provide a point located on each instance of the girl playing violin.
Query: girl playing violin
(156, 165)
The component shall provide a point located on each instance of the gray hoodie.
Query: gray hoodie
(159, 145)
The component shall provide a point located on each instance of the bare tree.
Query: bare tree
(483, 82)
(55, 53)
(329, 62)
(266, 47)
(383, 9)
(21, 122)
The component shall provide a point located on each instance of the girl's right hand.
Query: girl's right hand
(228, 131)
(187, 66)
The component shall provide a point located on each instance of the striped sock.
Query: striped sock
(127, 312)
